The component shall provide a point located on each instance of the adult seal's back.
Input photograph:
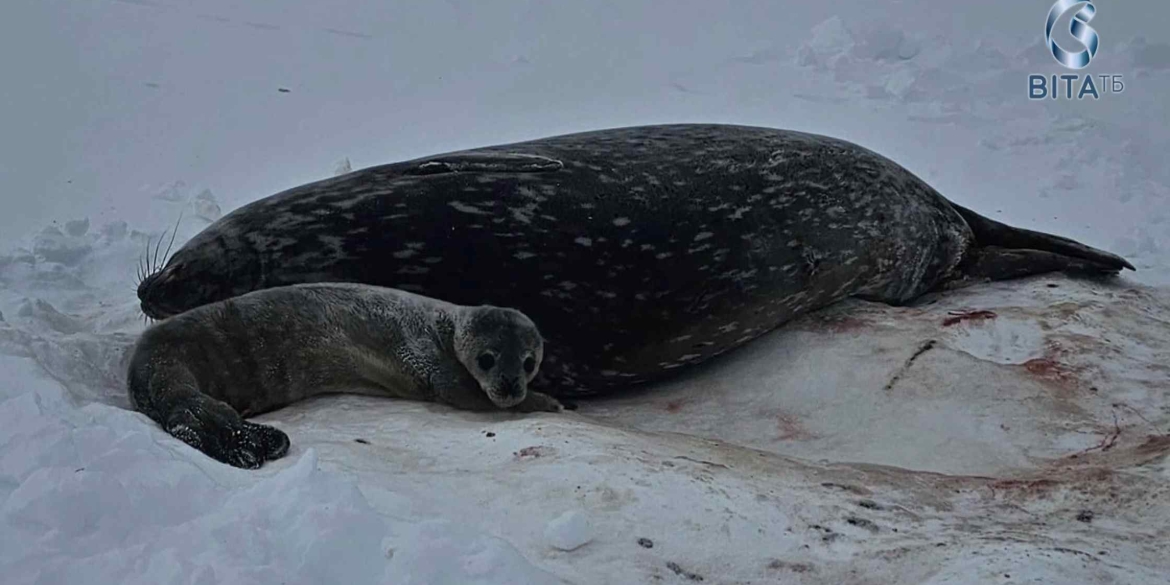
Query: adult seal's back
(637, 251)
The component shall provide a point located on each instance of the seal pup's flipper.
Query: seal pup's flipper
(1002, 251)
(215, 429)
(168, 394)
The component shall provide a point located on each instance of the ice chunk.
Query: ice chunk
(172, 192)
(53, 245)
(569, 531)
(77, 227)
(205, 206)
(114, 231)
(828, 41)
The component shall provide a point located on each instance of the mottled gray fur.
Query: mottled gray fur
(640, 251)
(200, 372)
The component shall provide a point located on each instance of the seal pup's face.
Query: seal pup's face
(502, 349)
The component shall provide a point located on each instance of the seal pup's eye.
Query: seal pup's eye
(529, 364)
(486, 361)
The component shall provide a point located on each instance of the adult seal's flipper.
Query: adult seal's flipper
(484, 162)
(1002, 251)
(995, 263)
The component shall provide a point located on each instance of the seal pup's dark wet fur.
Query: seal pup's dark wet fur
(198, 374)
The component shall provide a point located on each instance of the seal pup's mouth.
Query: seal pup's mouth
(508, 393)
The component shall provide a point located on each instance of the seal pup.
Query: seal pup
(199, 373)
(640, 251)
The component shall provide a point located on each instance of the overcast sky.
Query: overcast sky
(105, 102)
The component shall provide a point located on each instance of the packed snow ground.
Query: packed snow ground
(1002, 433)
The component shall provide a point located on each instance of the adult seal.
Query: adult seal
(200, 373)
(639, 251)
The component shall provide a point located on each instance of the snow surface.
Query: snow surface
(1010, 432)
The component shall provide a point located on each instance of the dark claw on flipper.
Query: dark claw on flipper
(187, 435)
(275, 443)
(185, 426)
(236, 442)
(243, 458)
(252, 444)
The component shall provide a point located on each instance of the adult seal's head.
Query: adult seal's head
(313, 236)
(502, 349)
(202, 272)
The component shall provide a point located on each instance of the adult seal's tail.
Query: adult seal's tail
(639, 251)
(1004, 252)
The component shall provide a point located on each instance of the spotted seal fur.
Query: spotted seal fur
(639, 251)
(198, 374)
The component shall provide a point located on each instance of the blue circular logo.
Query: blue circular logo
(1080, 29)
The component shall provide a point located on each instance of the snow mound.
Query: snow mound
(97, 494)
(832, 44)
(1010, 428)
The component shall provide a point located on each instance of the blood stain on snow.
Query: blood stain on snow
(1043, 367)
(1051, 370)
(791, 428)
(1032, 487)
(1154, 445)
(957, 317)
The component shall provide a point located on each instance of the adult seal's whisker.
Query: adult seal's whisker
(154, 261)
(174, 231)
(145, 260)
